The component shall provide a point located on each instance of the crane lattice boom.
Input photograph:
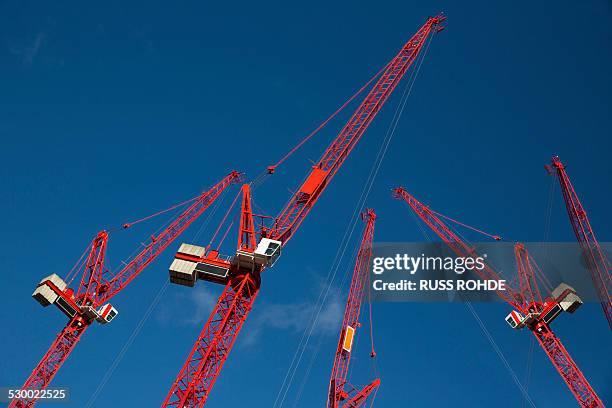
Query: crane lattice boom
(323, 171)
(196, 379)
(597, 262)
(337, 391)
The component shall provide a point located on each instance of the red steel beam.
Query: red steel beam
(597, 262)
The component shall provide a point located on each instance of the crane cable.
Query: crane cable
(494, 345)
(136, 331)
(223, 221)
(529, 367)
(340, 109)
(495, 237)
(350, 229)
(500, 354)
(148, 217)
(374, 397)
(270, 169)
(317, 348)
(71, 275)
(111, 370)
(77, 266)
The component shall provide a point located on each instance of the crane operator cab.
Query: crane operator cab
(516, 320)
(267, 252)
(106, 313)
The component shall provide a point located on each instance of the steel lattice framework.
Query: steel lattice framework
(597, 262)
(196, 379)
(338, 393)
(97, 286)
(527, 302)
(294, 213)
(212, 347)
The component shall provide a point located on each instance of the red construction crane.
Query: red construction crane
(596, 260)
(340, 391)
(241, 273)
(98, 285)
(530, 311)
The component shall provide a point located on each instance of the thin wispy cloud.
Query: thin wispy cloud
(188, 307)
(29, 51)
(295, 318)
(193, 308)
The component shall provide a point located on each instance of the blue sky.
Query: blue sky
(111, 111)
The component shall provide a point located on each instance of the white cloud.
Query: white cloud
(295, 318)
(188, 307)
(29, 51)
(194, 306)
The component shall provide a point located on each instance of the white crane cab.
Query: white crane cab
(106, 313)
(516, 320)
(267, 251)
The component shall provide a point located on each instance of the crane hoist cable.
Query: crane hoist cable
(317, 349)
(528, 368)
(128, 343)
(500, 354)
